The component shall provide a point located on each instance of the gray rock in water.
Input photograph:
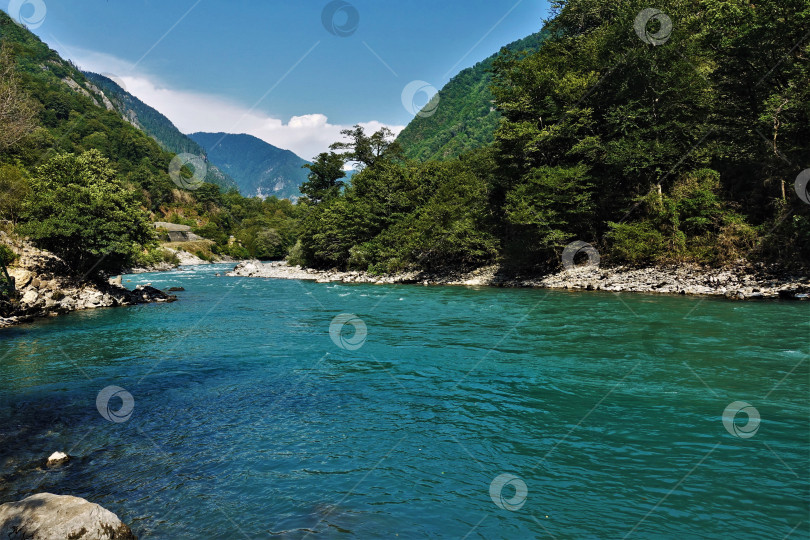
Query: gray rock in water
(147, 293)
(45, 516)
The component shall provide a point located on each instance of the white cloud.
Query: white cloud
(306, 135)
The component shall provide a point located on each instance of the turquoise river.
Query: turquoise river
(429, 412)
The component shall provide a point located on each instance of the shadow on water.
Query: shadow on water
(32, 426)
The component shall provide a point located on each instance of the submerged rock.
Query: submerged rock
(45, 516)
(147, 293)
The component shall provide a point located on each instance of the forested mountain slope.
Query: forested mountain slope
(156, 125)
(658, 136)
(80, 181)
(259, 168)
(465, 118)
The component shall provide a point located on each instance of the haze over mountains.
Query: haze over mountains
(155, 124)
(256, 168)
(464, 120)
(260, 169)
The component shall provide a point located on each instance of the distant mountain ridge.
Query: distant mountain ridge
(156, 125)
(259, 168)
(465, 118)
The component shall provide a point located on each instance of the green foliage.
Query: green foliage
(449, 230)
(203, 255)
(681, 151)
(368, 150)
(324, 182)
(76, 121)
(178, 219)
(71, 118)
(331, 230)
(70, 121)
(7, 256)
(295, 256)
(235, 251)
(691, 223)
(17, 110)
(269, 245)
(83, 213)
(549, 207)
(648, 122)
(785, 239)
(397, 216)
(212, 232)
(637, 243)
(14, 189)
(253, 219)
(155, 256)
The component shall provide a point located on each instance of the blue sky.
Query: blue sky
(206, 64)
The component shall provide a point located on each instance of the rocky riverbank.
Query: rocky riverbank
(45, 288)
(740, 282)
(184, 258)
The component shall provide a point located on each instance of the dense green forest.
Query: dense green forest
(656, 137)
(466, 117)
(657, 143)
(78, 179)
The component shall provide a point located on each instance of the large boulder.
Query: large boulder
(91, 299)
(30, 298)
(147, 293)
(45, 516)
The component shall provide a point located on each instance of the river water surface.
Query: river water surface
(439, 412)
